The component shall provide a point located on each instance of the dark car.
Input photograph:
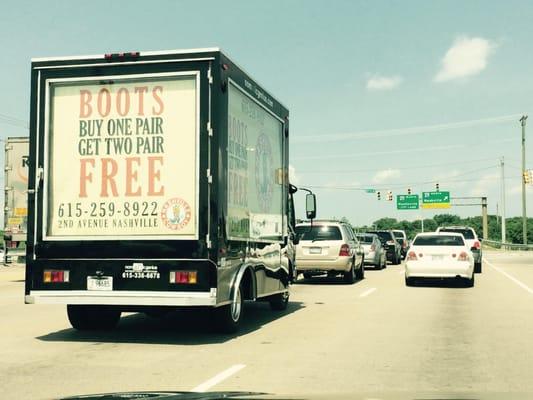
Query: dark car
(392, 247)
(401, 237)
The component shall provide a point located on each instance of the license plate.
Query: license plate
(438, 257)
(315, 250)
(100, 283)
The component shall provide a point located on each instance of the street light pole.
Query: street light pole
(504, 231)
(524, 215)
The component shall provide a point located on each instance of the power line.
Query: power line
(403, 131)
(6, 119)
(426, 166)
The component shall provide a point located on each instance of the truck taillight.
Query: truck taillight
(411, 256)
(463, 256)
(373, 247)
(184, 277)
(345, 251)
(56, 276)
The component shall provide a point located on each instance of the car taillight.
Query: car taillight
(56, 276)
(184, 277)
(345, 250)
(477, 245)
(411, 256)
(373, 247)
(463, 256)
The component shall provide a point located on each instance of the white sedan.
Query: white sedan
(439, 255)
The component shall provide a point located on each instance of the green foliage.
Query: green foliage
(514, 226)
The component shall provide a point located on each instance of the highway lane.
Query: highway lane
(375, 337)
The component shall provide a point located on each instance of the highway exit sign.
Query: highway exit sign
(407, 202)
(435, 199)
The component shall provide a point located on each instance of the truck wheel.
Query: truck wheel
(85, 318)
(349, 276)
(280, 301)
(227, 318)
(477, 268)
(409, 282)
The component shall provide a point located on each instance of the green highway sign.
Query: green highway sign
(370, 190)
(407, 202)
(435, 199)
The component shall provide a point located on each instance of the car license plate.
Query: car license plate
(438, 257)
(315, 250)
(99, 283)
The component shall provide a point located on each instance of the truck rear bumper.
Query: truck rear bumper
(123, 298)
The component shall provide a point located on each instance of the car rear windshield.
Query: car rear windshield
(467, 233)
(384, 236)
(439, 240)
(365, 238)
(319, 232)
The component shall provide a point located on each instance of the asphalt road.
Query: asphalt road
(373, 339)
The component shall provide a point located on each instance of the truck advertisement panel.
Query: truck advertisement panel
(255, 170)
(16, 186)
(122, 158)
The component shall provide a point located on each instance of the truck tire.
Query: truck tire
(409, 282)
(307, 276)
(349, 276)
(280, 301)
(227, 318)
(477, 267)
(84, 318)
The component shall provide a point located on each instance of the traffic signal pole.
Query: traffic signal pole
(524, 215)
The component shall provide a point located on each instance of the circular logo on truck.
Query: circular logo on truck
(264, 176)
(176, 213)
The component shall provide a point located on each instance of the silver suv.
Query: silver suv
(329, 247)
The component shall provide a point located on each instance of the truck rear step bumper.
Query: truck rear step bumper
(123, 298)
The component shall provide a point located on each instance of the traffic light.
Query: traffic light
(409, 191)
(379, 195)
(437, 186)
(527, 176)
(389, 195)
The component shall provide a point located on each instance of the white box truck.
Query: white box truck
(15, 198)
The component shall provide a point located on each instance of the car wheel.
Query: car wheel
(227, 318)
(396, 260)
(349, 276)
(409, 281)
(280, 301)
(470, 282)
(477, 267)
(85, 318)
(384, 263)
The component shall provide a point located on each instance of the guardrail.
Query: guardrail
(507, 246)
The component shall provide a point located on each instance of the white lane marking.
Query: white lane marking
(401, 272)
(218, 378)
(501, 271)
(367, 292)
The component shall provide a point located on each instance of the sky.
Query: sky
(384, 95)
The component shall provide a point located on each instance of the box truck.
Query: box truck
(15, 198)
(157, 180)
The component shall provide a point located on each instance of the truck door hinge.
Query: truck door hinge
(209, 129)
(209, 76)
(208, 242)
(209, 176)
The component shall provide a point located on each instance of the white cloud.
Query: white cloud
(383, 82)
(467, 57)
(293, 177)
(386, 175)
(484, 184)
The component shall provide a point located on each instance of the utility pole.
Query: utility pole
(484, 218)
(524, 215)
(504, 231)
